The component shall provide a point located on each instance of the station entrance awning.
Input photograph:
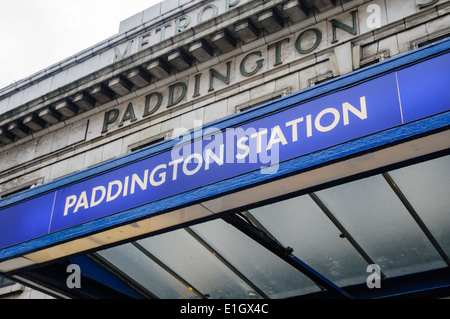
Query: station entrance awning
(365, 195)
(317, 244)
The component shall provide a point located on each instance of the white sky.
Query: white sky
(35, 34)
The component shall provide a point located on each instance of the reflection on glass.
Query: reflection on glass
(146, 272)
(300, 224)
(426, 186)
(195, 264)
(379, 222)
(272, 275)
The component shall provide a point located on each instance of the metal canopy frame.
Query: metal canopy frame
(101, 279)
(285, 253)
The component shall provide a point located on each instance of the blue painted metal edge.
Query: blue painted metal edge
(286, 168)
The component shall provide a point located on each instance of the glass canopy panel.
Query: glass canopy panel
(195, 264)
(301, 224)
(427, 187)
(273, 276)
(146, 272)
(376, 218)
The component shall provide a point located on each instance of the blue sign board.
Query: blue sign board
(372, 106)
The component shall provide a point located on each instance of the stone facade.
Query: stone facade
(182, 64)
(18, 291)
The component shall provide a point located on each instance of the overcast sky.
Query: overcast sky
(35, 34)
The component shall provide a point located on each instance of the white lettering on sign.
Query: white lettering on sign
(235, 145)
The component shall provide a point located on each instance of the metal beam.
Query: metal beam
(416, 217)
(116, 271)
(169, 270)
(226, 263)
(343, 231)
(285, 253)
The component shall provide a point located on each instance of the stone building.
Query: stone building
(80, 144)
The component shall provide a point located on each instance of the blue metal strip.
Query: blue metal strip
(429, 284)
(330, 285)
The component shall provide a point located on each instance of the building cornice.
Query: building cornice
(221, 38)
(72, 99)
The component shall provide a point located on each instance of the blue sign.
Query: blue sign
(26, 221)
(372, 106)
(317, 124)
(424, 88)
